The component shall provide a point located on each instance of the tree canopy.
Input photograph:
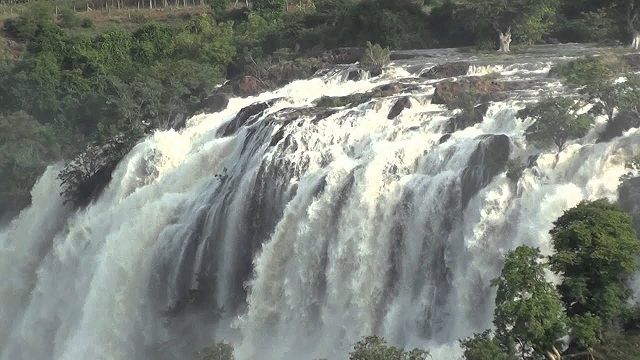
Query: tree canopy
(596, 251)
(556, 122)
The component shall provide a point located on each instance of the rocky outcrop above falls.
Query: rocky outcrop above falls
(447, 70)
(481, 88)
(84, 178)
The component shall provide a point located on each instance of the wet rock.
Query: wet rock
(488, 160)
(84, 178)
(246, 116)
(214, 103)
(629, 199)
(401, 104)
(447, 70)
(444, 138)
(622, 122)
(314, 113)
(361, 98)
(178, 122)
(354, 75)
(247, 86)
(466, 119)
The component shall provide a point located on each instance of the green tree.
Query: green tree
(269, 5)
(556, 122)
(596, 251)
(529, 20)
(529, 316)
(376, 348)
(483, 346)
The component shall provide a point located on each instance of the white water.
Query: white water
(347, 226)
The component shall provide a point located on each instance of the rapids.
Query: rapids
(292, 233)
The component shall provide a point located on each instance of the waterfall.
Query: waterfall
(292, 231)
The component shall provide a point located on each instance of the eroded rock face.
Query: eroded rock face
(447, 70)
(84, 178)
(488, 160)
(620, 123)
(401, 104)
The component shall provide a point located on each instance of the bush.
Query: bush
(69, 19)
(590, 69)
(376, 348)
(375, 58)
(86, 23)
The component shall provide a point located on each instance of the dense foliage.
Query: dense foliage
(555, 122)
(596, 253)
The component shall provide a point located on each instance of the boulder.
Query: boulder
(215, 102)
(361, 98)
(485, 89)
(622, 122)
(401, 104)
(447, 70)
(247, 86)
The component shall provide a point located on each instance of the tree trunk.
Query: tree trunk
(635, 43)
(505, 41)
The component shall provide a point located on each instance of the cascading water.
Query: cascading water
(291, 231)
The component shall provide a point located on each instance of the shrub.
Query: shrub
(376, 348)
(86, 23)
(69, 19)
(375, 58)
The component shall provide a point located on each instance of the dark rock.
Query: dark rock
(622, 122)
(178, 122)
(444, 138)
(401, 104)
(466, 119)
(354, 75)
(247, 86)
(447, 70)
(488, 160)
(361, 98)
(84, 178)
(349, 55)
(246, 116)
(629, 199)
(215, 102)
